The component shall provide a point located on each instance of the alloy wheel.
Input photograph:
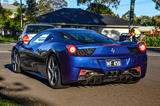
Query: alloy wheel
(15, 61)
(52, 71)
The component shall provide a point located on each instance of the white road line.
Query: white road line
(153, 55)
(7, 43)
(5, 51)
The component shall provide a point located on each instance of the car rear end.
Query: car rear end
(31, 30)
(96, 63)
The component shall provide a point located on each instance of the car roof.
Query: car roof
(40, 24)
(67, 29)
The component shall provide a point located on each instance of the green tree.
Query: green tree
(145, 20)
(15, 3)
(127, 15)
(108, 3)
(31, 11)
(5, 18)
(0, 7)
(157, 4)
(10, 23)
(46, 6)
(99, 9)
(156, 21)
(17, 17)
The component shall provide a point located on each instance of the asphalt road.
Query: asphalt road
(144, 93)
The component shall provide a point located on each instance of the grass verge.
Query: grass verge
(6, 101)
(6, 39)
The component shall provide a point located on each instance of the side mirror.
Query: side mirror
(20, 43)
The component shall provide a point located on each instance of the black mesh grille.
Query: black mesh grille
(84, 52)
(134, 50)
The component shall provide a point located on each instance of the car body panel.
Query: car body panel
(34, 57)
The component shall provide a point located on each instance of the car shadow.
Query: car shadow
(42, 80)
(76, 84)
(79, 85)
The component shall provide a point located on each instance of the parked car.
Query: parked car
(31, 30)
(68, 55)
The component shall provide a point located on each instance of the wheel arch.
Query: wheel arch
(50, 52)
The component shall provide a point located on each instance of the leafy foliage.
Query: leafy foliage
(152, 40)
(149, 21)
(127, 15)
(46, 6)
(99, 9)
(4, 18)
(100, 6)
(7, 39)
(143, 20)
(108, 3)
(157, 4)
(31, 11)
(9, 23)
(15, 3)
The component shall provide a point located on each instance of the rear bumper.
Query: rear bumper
(114, 75)
(72, 65)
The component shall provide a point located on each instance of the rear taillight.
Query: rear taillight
(138, 69)
(79, 52)
(71, 49)
(83, 72)
(25, 38)
(142, 47)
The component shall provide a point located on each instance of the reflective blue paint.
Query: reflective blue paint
(70, 65)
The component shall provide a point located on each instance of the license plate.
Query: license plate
(113, 62)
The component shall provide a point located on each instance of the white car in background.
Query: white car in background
(31, 30)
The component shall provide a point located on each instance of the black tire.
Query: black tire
(53, 72)
(16, 64)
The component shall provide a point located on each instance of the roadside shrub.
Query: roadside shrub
(152, 40)
(7, 39)
(148, 34)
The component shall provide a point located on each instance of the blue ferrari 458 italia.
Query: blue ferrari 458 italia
(67, 55)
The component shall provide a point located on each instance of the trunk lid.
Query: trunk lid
(104, 50)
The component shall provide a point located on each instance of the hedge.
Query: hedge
(152, 40)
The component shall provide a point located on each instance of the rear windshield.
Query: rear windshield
(86, 36)
(37, 29)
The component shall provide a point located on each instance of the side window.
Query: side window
(40, 38)
(50, 37)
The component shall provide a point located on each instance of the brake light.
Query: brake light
(25, 38)
(138, 69)
(83, 72)
(142, 47)
(72, 49)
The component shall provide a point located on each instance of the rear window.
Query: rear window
(86, 36)
(37, 29)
